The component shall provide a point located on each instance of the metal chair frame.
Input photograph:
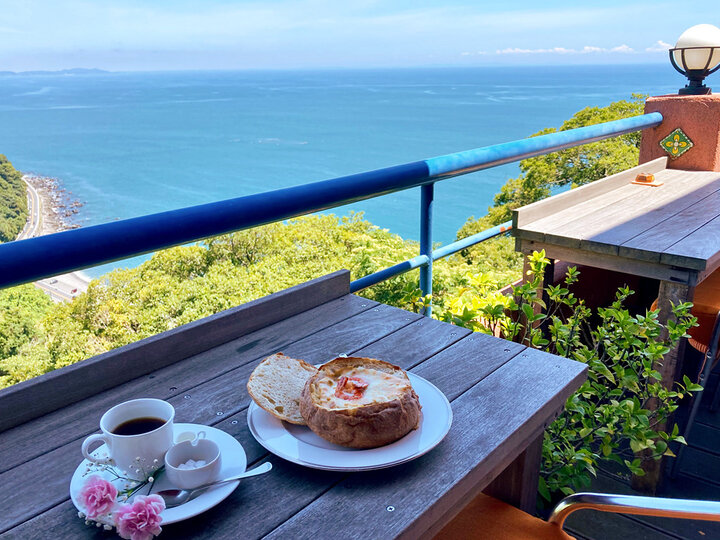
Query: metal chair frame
(637, 505)
(709, 361)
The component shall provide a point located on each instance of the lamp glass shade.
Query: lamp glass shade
(701, 35)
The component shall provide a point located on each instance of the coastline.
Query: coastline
(51, 210)
(57, 206)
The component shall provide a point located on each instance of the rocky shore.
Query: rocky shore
(59, 207)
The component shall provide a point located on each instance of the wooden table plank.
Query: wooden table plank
(616, 220)
(557, 203)
(31, 439)
(486, 426)
(701, 244)
(414, 343)
(578, 220)
(670, 231)
(633, 217)
(613, 219)
(351, 334)
(556, 227)
(443, 369)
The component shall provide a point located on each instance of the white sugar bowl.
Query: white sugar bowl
(191, 464)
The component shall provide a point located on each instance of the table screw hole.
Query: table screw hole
(234, 422)
(363, 305)
(173, 388)
(506, 350)
(390, 509)
(186, 397)
(219, 413)
(452, 333)
(151, 377)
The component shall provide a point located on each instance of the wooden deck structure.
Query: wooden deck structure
(667, 232)
(502, 396)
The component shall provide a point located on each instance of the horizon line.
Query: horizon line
(94, 70)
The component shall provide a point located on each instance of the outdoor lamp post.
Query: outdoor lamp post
(696, 55)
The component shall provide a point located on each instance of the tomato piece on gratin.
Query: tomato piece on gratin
(350, 388)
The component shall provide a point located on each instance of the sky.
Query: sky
(140, 35)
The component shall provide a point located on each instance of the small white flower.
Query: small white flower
(151, 479)
(107, 527)
(81, 515)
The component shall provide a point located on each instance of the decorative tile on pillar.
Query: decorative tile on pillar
(676, 144)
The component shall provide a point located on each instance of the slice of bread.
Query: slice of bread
(276, 385)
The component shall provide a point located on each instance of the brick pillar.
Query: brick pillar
(698, 117)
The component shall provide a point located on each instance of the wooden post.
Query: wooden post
(518, 483)
(670, 368)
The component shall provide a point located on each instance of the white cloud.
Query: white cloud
(587, 49)
(554, 50)
(520, 51)
(660, 46)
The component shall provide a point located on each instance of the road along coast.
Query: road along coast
(50, 210)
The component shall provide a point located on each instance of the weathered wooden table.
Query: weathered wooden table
(670, 233)
(502, 395)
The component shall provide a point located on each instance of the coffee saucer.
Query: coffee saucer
(234, 461)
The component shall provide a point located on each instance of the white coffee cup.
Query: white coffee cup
(137, 434)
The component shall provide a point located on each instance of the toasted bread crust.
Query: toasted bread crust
(279, 391)
(364, 426)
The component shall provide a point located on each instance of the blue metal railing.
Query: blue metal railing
(27, 260)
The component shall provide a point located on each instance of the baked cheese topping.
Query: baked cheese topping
(359, 386)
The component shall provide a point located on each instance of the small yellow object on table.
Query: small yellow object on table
(646, 179)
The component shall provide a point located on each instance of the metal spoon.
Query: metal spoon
(176, 497)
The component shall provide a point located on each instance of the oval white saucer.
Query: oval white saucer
(300, 445)
(234, 462)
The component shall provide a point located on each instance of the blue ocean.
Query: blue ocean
(128, 144)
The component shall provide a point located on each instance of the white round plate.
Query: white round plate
(234, 462)
(300, 445)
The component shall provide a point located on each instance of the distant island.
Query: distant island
(73, 71)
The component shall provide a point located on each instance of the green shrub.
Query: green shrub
(611, 410)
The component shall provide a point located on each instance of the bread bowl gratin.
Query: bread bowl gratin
(360, 402)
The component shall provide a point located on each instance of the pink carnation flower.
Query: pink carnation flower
(140, 520)
(97, 496)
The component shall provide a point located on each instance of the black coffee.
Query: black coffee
(137, 426)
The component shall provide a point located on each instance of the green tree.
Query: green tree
(183, 284)
(573, 167)
(21, 310)
(13, 201)
(543, 175)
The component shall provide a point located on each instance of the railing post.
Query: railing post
(427, 193)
